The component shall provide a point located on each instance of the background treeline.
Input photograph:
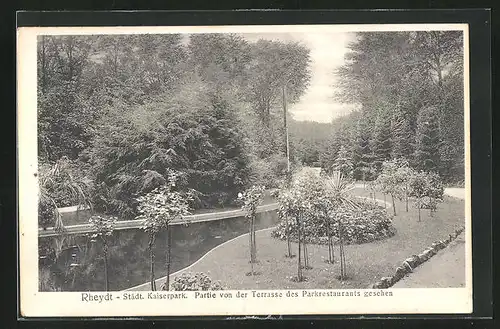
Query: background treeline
(117, 113)
(409, 86)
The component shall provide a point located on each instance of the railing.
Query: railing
(134, 223)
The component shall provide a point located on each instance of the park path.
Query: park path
(447, 268)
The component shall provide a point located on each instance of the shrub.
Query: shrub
(62, 184)
(269, 172)
(194, 282)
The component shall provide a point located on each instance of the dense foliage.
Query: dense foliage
(409, 86)
(61, 184)
(129, 108)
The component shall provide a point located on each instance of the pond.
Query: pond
(79, 264)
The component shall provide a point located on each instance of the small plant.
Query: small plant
(193, 282)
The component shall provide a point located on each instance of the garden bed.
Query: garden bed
(369, 223)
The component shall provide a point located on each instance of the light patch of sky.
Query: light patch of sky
(327, 54)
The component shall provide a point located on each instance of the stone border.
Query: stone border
(414, 261)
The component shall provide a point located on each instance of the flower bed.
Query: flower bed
(369, 222)
(194, 282)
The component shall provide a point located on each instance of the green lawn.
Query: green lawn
(366, 263)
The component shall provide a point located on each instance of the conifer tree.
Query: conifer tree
(362, 154)
(401, 134)
(427, 141)
(343, 162)
(382, 141)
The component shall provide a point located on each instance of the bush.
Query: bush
(367, 223)
(269, 172)
(194, 282)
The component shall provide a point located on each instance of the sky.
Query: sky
(327, 53)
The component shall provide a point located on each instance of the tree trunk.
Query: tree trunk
(393, 204)
(430, 206)
(44, 67)
(330, 241)
(419, 211)
(385, 200)
(289, 245)
(169, 257)
(106, 278)
(254, 240)
(250, 247)
(306, 259)
(341, 251)
(152, 259)
(299, 262)
(407, 203)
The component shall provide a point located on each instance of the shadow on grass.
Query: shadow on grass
(296, 279)
(253, 273)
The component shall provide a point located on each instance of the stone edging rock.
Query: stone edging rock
(412, 262)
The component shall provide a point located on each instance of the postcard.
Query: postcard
(244, 170)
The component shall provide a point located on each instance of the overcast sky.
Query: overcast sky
(327, 53)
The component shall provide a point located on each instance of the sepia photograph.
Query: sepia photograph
(235, 167)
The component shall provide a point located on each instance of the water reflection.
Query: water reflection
(75, 263)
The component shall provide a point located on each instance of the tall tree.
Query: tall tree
(427, 141)
(343, 162)
(276, 64)
(363, 156)
(382, 140)
(401, 135)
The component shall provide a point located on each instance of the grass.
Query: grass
(366, 263)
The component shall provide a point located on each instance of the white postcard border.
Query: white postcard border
(41, 304)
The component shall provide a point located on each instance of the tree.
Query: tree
(418, 185)
(292, 206)
(275, 64)
(337, 189)
(343, 163)
(394, 180)
(65, 115)
(192, 131)
(427, 144)
(401, 132)
(252, 198)
(405, 174)
(382, 144)
(363, 156)
(158, 209)
(102, 229)
(435, 190)
(285, 212)
(409, 71)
